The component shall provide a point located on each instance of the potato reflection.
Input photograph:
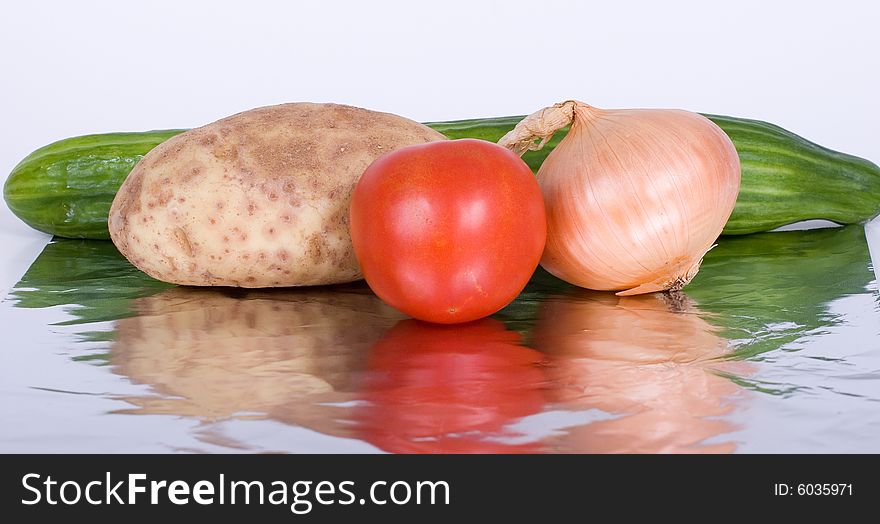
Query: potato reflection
(649, 360)
(450, 389)
(215, 354)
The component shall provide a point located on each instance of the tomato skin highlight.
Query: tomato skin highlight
(448, 231)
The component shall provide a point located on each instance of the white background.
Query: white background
(71, 68)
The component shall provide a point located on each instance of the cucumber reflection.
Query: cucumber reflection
(650, 361)
(450, 389)
(285, 355)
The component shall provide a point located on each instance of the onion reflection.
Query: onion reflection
(650, 361)
(215, 354)
(450, 389)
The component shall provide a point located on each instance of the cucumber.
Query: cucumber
(786, 178)
(66, 188)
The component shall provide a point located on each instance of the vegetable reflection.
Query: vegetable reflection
(214, 354)
(650, 361)
(774, 288)
(283, 355)
(89, 278)
(450, 389)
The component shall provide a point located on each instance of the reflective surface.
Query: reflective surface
(775, 347)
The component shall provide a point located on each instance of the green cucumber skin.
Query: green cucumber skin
(66, 188)
(786, 178)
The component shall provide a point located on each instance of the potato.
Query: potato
(287, 355)
(258, 199)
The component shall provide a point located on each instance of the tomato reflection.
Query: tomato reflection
(450, 389)
(649, 361)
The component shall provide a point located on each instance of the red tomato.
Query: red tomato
(448, 231)
(450, 389)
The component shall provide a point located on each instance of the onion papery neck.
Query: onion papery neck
(536, 129)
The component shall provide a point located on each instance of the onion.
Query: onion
(634, 197)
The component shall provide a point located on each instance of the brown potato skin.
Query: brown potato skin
(258, 199)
